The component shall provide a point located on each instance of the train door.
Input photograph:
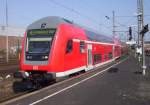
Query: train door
(113, 51)
(89, 57)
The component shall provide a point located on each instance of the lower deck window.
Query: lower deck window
(97, 58)
(110, 55)
(69, 46)
(105, 56)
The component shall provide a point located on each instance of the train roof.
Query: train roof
(50, 21)
(54, 21)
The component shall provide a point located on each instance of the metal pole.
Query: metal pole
(139, 21)
(142, 40)
(139, 18)
(113, 31)
(7, 49)
(113, 23)
(6, 13)
(18, 51)
(143, 56)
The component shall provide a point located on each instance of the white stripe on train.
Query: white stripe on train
(71, 71)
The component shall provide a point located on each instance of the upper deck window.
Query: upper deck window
(98, 37)
(82, 46)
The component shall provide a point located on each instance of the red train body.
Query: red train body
(58, 47)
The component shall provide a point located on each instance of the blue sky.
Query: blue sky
(92, 12)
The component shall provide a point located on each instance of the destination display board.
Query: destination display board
(42, 32)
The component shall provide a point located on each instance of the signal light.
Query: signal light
(130, 33)
(145, 29)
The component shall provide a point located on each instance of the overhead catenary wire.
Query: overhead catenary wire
(74, 11)
(90, 19)
(128, 16)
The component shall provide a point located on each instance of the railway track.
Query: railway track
(8, 69)
(12, 96)
(6, 90)
(11, 61)
(6, 80)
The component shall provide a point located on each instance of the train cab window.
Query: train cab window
(82, 46)
(97, 58)
(69, 46)
(110, 55)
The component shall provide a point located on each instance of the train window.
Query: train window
(110, 55)
(105, 56)
(97, 58)
(69, 46)
(82, 47)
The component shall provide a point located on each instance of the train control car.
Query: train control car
(54, 47)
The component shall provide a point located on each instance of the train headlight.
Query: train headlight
(26, 74)
(46, 57)
(29, 57)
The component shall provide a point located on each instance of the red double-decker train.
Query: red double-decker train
(54, 47)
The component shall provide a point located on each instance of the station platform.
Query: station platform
(118, 84)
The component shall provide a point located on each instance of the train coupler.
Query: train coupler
(21, 74)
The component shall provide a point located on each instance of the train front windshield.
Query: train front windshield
(39, 46)
(38, 43)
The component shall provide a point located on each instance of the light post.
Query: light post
(113, 30)
(7, 46)
(113, 22)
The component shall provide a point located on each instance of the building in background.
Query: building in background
(15, 36)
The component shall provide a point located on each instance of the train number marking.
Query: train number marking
(35, 67)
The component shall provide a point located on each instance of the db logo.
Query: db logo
(35, 67)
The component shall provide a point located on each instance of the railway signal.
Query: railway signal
(130, 33)
(144, 30)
